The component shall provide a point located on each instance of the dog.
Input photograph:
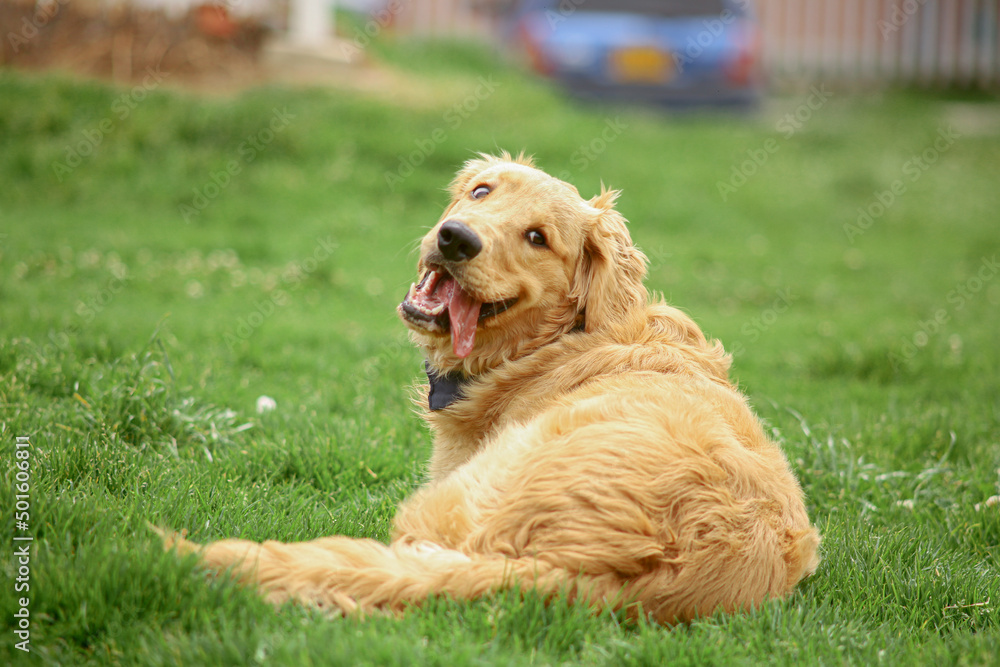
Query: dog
(587, 439)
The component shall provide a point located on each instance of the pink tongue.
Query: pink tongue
(463, 311)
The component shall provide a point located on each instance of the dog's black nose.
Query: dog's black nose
(457, 242)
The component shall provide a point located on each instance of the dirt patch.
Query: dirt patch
(206, 51)
(125, 44)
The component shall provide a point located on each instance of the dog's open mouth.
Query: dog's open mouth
(438, 303)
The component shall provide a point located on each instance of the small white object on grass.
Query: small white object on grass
(990, 502)
(265, 404)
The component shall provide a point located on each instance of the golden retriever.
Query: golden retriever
(587, 439)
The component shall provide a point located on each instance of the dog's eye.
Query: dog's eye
(480, 191)
(535, 237)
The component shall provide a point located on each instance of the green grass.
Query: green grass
(134, 344)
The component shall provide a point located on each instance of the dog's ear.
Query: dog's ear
(609, 279)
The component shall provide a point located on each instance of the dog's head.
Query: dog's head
(517, 260)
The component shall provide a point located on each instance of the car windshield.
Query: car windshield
(669, 8)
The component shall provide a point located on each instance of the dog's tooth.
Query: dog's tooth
(430, 281)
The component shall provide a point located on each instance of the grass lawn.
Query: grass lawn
(166, 259)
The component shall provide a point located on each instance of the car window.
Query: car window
(668, 8)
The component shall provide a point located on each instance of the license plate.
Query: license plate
(641, 65)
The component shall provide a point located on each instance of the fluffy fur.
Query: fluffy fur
(600, 449)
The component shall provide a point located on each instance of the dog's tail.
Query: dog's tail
(345, 575)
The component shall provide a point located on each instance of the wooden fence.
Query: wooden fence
(864, 42)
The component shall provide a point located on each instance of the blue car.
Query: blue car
(677, 52)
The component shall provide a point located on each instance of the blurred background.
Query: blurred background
(672, 51)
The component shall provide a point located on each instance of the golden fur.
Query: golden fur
(600, 449)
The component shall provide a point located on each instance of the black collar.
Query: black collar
(447, 388)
